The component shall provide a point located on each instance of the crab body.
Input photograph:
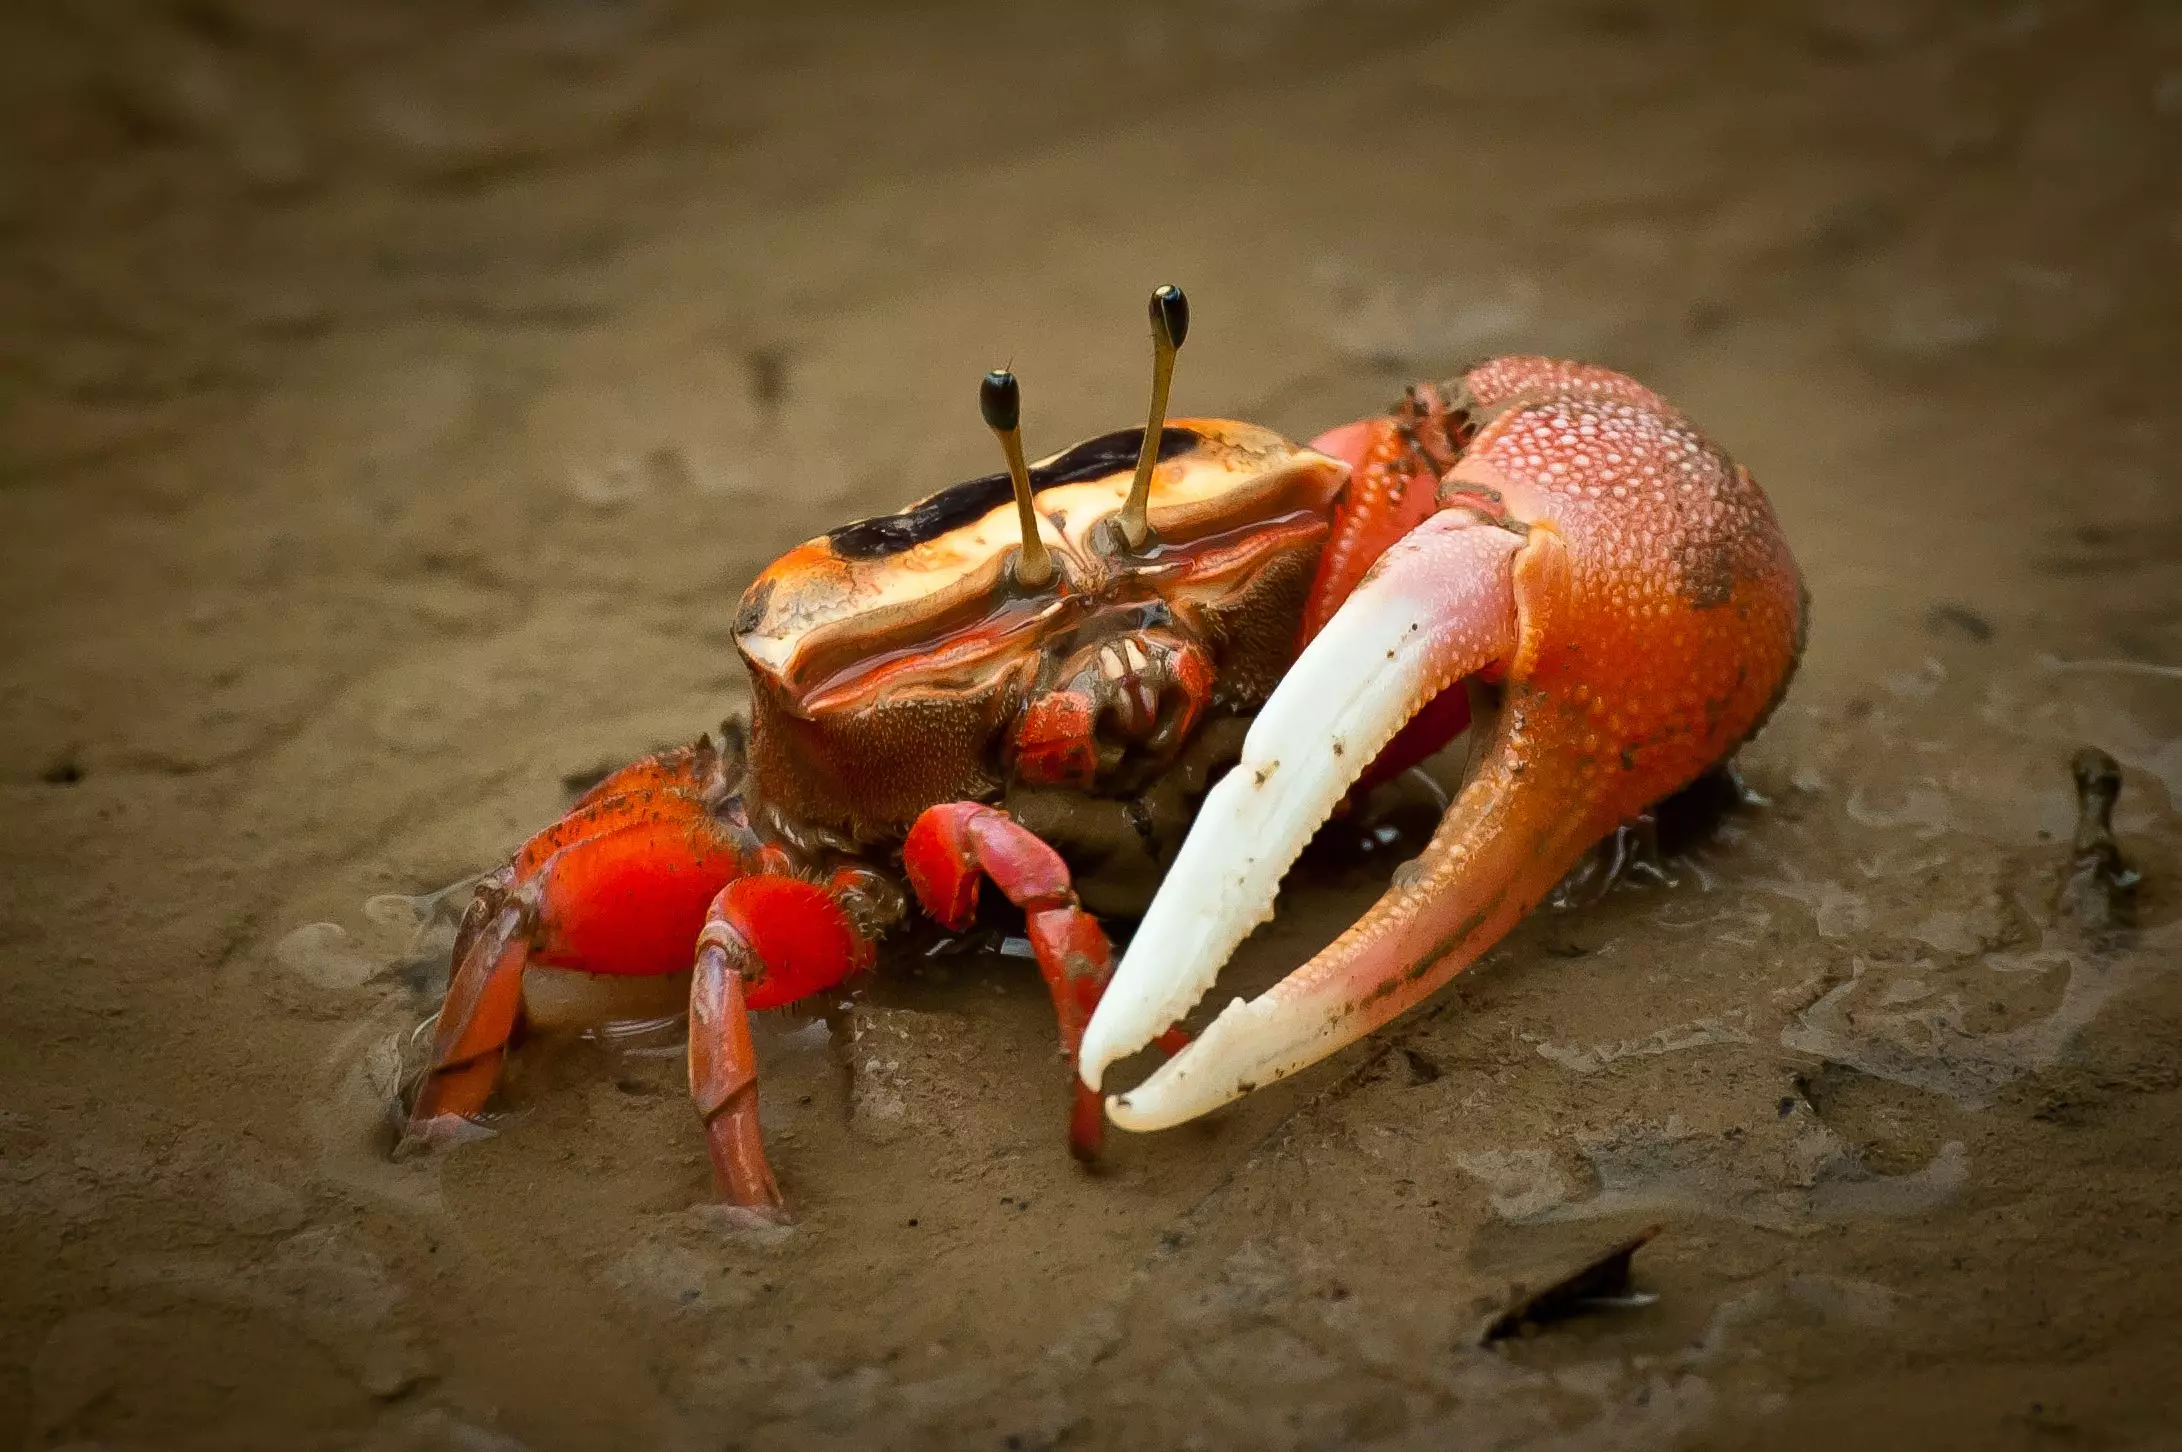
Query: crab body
(923, 720)
(913, 708)
(895, 663)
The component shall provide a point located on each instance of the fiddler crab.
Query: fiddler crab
(1135, 678)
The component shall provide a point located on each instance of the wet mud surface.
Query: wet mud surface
(395, 403)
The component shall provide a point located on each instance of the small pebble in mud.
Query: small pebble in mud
(326, 959)
(768, 368)
(390, 1376)
(1958, 620)
(1422, 1070)
(2101, 889)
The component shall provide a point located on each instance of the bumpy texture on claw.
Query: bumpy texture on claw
(1656, 617)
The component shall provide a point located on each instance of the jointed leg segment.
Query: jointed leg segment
(955, 845)
(618, 886)
(483, 1005)
(766, 941)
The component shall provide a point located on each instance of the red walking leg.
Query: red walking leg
(483, 1004)
(617, 886)
(950, 850)
(766, 941)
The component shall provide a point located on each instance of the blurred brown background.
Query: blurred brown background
(396, 396)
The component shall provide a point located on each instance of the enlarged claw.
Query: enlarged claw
(1633, 592)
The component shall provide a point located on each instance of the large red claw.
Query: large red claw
(1631, 587)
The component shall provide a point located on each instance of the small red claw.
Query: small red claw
(1630, 586)
(1055, 743)
(941, 867)
(1072, 940)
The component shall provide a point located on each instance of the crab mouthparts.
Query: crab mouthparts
(1438, 607)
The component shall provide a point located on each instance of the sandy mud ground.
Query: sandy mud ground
(395, 402)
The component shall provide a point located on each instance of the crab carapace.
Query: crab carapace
(1041, 677)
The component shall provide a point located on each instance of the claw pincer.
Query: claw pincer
(1625, 588)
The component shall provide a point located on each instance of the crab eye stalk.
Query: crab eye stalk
(1000, 399)
(1170, 325)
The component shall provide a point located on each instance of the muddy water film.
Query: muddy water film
(398, 396)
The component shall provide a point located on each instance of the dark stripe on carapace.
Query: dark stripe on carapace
(928, 519)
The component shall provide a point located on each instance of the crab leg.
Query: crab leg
(483, 1004)
(648, 863)
(617, 886)
(1438, 607)
(766, 940)
(954, 846)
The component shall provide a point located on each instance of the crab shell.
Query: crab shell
(890, 659)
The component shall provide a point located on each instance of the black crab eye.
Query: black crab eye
(1170, 314)
(1000, 399)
